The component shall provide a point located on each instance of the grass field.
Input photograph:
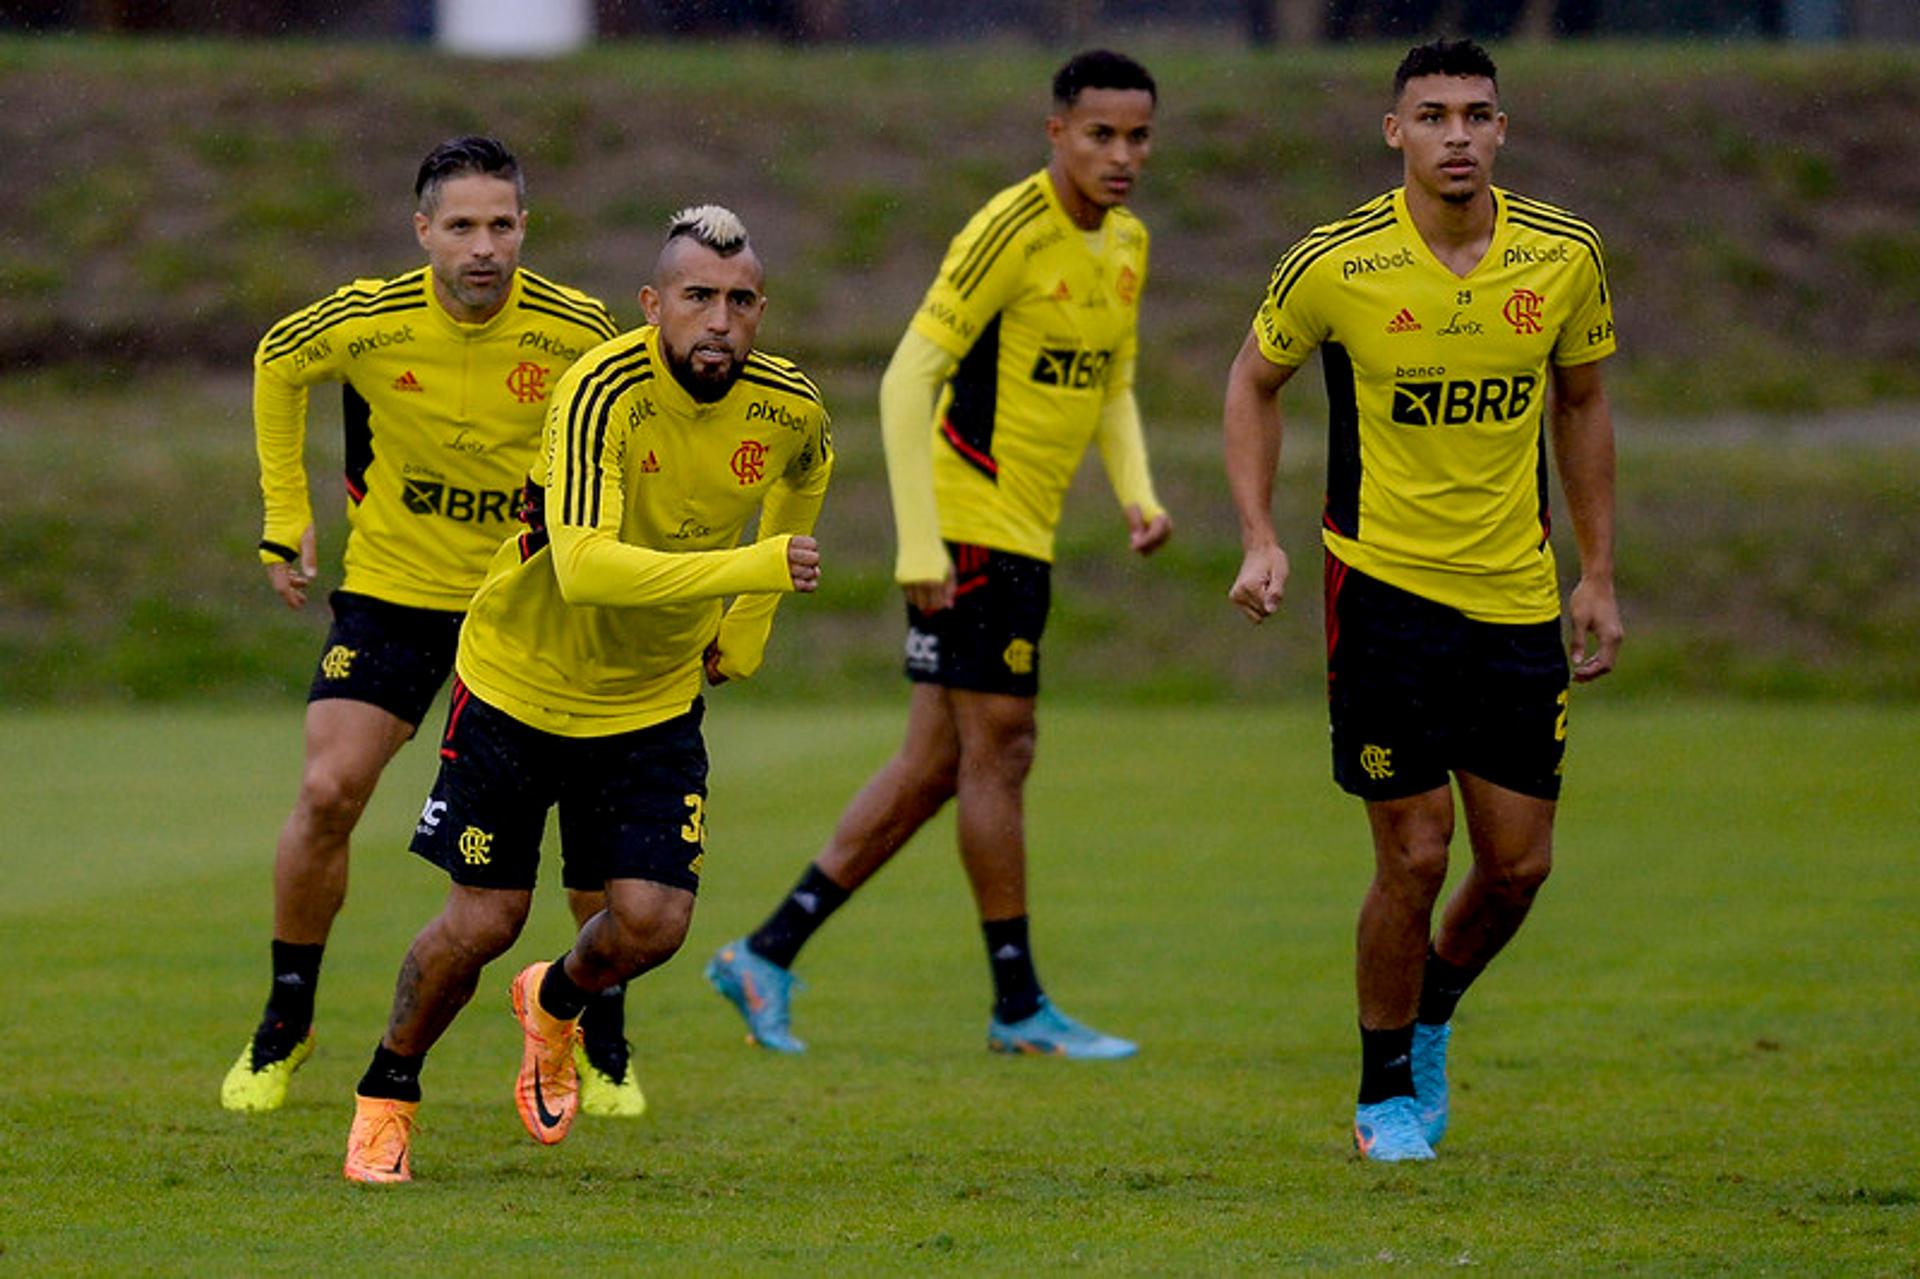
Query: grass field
(1697, 1059)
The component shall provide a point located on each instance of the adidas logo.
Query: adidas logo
(808, 902)
(407, 382)
(1008, 951)
(1403, 322)
(1061, 292)
(650, 465)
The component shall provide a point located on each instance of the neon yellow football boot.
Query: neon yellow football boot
(609, 1087)
(256, 1086)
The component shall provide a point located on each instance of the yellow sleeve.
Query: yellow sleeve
(1287, 325)
(595, 567)
(908, 392)
(280, 439)
(982, 273)
(1123, 450)
(1588, 334)
(790, 508)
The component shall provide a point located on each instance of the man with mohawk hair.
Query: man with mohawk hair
(581, 663)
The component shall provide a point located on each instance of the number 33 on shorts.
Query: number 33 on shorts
(695, 831)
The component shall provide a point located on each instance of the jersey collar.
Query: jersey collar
(486, 328)
(1075, 232)
(1425, 251)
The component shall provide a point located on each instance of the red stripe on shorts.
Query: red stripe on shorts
(461, 695)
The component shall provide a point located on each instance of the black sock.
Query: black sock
(1016, 987)
(778, 941)
(392, 1076)
(558, 995)
(289, 1012)
(603, 1023)
(1386, 1064)
(1441, 988)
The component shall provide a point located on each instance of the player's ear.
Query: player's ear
(1390, 130)
(420, 224)
(650, 303)
(1056, 127)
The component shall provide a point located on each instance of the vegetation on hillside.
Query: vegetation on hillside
(167, 201)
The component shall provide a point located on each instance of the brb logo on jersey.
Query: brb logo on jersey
(1523, 310)
(1463, 401)
(431, 497)
(528, 382)
(1075, 369)
(750, 462)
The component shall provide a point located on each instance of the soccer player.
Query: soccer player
(446, 372)
(1449, 314)
(580, 665)
(1021, 353)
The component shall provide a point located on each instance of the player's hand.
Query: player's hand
(291, 580)
(930, 597)
(1147, 535)
(711, 661)
(1262, 583)
(803, 563)
(1594, 612)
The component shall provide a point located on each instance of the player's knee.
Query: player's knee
(332, 799)
(1417, 867)
(1005, 756)
(1520, 878)
(486, 924)
(649, 934)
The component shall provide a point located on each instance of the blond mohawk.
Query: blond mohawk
(717, 227)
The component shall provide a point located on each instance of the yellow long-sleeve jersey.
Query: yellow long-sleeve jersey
(595, 619)
(442, 421)
(1039, 321)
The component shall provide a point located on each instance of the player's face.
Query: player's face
(708, 309)
(1100, 145)
(473, 242)
(1448, 129)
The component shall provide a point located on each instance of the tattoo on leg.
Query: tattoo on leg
(406, 995)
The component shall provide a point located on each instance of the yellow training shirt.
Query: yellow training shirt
(1041, 317)
(1436, 462)
(442, 420)
(595, 619)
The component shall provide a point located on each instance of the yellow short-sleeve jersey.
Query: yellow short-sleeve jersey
(1042, 317)
(441, 418)
(629, 459)
(1436, 382)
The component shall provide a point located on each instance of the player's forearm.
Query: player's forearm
(280, 434)
(596, 568)
(908, 392)
(1123, 451)
(1584, 451)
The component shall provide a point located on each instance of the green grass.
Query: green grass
(1696, 1059)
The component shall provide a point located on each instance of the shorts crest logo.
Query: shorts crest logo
(1523, 310)
(1376, 762)
(1019, 657)
(337, 662)
(476, 846)
(528, 382)
(750, 462)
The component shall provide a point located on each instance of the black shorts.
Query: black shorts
(632, 805)
(989, 641)
(1418, 691)
(390, 655)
